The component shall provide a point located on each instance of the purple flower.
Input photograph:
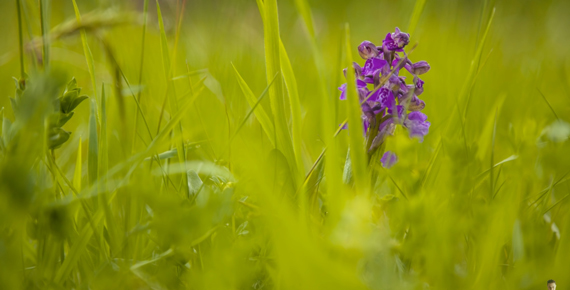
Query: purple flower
(359, 85)
(420, 68)
(392, 100)
(417, 125)
(372, 65)
(419, 86)
(389, 159)
(367, 50)
(396, 41)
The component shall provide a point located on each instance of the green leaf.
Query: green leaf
(72, 85)
(75, 102)
(62, 118)
(57, 136)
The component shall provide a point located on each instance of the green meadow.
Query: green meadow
(173, 144)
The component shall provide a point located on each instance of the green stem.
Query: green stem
(45, 52)
(21, 43)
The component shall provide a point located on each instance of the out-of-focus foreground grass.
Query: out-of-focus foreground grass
(480, 204)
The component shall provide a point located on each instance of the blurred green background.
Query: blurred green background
(480, 204)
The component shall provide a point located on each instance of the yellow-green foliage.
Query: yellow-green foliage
(208, 156)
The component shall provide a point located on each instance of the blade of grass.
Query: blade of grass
(78, 247)
(141, 66)
(491, 176)
(474, 64)
(270, 18)
(171, 92)
(333, 172)
(431, 162)
(555, 204)
(548, 103)
(86, 50)
(416, 14)
(77, 172)
(103, 160)
(355, 138)
(292, 90)
(260, 113)
(44, 29)
(252, 110)
(21, 40)
(92, 157)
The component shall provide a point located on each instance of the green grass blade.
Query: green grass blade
(252, 110)
(355, 138)
(21, 40)
(141, 66)
(270, 19)
(260, 113)
(78, 247)
(305, 11)
(548, 103)
(86, 51)
(178, 136)
(77, 172)
(103, 161)
(329, 123)
(293, 92)
(474, 64)
(44, 5)
(93, 152)
(416, 14)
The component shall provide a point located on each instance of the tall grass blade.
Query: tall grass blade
(170, 91)
(86, 50)
(416, 14)
(270, 18)
(77, 173)
(93, 152)
(355, 138)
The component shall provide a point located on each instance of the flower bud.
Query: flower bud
(401, 39)
(367, 50)
(420, 67)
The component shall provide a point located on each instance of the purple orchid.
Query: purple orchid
(367, 50)
(417, 124)
(389, 159)
(384, 95)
